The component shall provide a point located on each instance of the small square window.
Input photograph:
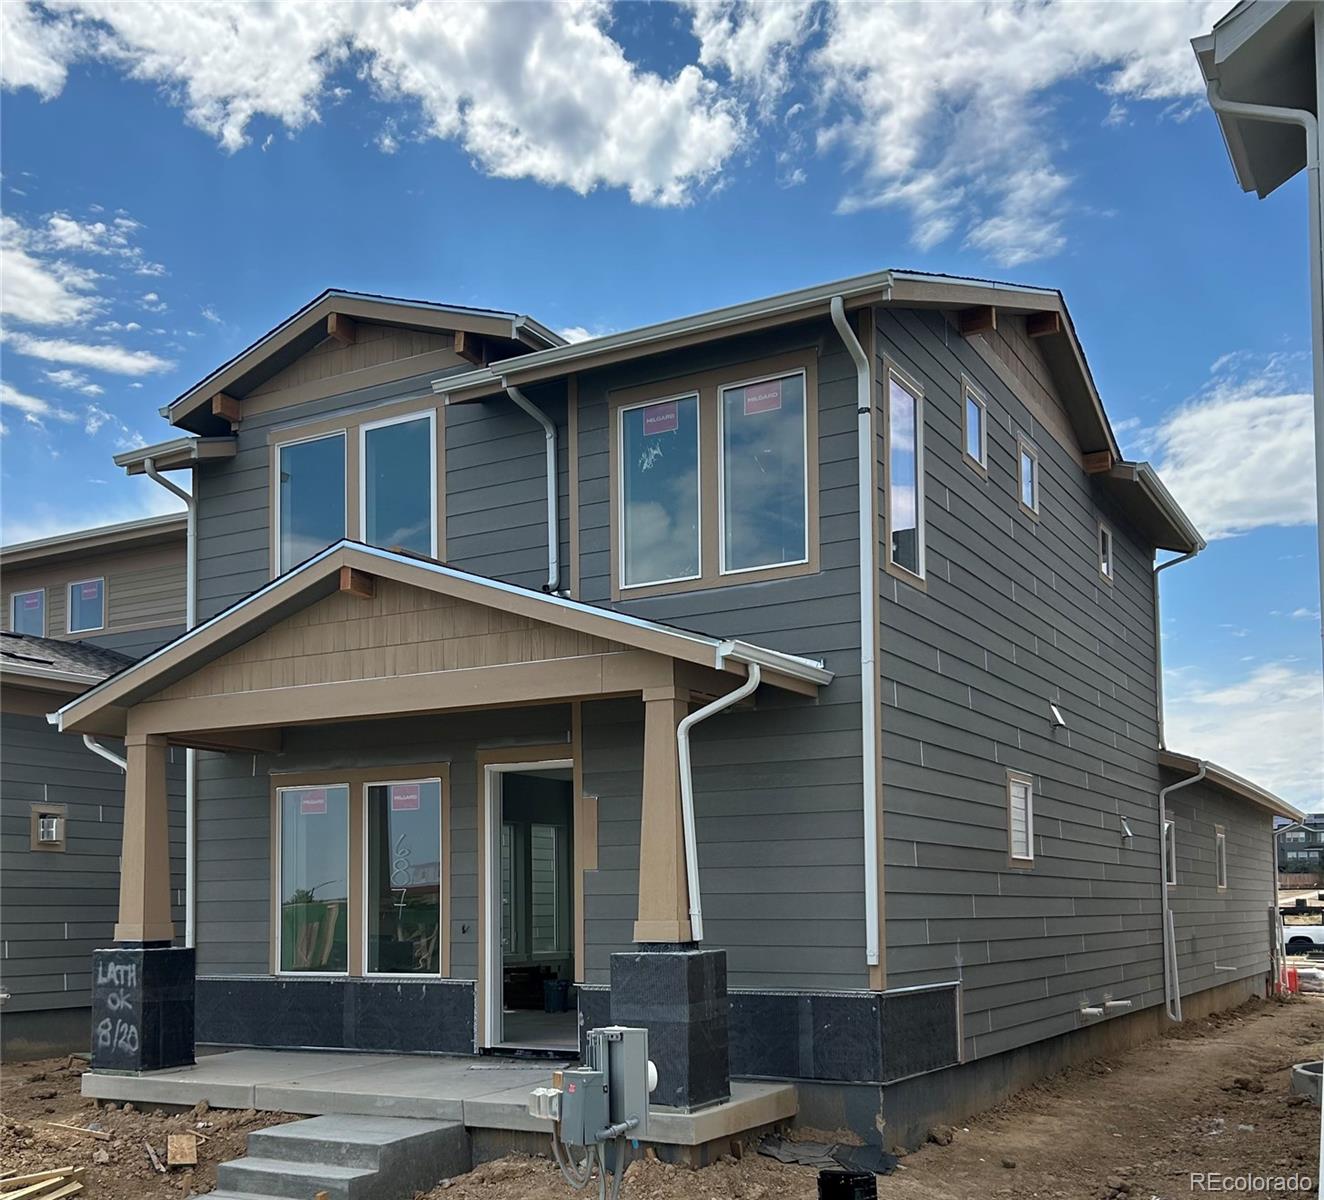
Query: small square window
(27, 612)
(974, 441)
(87, 605)
(48, 826)
(1028, 467)
(1106, 553)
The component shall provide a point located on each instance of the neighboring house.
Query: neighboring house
(1301, 847)
(77, 609)
(438, 694)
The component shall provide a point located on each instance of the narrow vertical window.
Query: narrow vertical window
(1170, 853)
(1028, 458)
(764, 509)
(905, 475)
(399, 485)
(1020, 818)
(314, 878)
(404, 876)
(975, 447)
(310, 497)
(659, 461)
(1106, 552)
(27, 612)
(1220, 856)
(87, 605)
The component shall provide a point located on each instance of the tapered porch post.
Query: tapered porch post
(144, 915)
(664, 907)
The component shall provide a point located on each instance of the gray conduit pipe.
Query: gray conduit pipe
(109, 755)
(687, 790)
(553, 584)
(1171, 983)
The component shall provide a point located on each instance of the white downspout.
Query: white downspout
(553, 584)
(868, 625)
(109, 755)
(1171, 983)
(190, 755)
(1158, 644)
(687, 789)
(1309, 125)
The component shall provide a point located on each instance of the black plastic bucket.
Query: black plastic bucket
(847, 1185)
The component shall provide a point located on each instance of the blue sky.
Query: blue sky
(177, 179)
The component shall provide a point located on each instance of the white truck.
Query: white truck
(1303, 929)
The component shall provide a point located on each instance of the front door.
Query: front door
(529, 930)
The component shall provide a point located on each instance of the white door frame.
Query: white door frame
(493, 955)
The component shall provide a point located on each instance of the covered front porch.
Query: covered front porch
(397, 814)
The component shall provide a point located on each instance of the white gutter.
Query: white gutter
(868, 625)
(1158, 644)
(1309, 125)
(553, 584)
(190, 755)
(687, 790)
(1171, 983)
(109, 755)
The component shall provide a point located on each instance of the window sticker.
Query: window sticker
(91, 590)
(661, 418)
(405, 797)
(312, 803)
(763, 397)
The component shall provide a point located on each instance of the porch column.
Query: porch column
(144, 916)
(142, 987)
(664, 905)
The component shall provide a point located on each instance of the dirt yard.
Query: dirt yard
(1210, 1097)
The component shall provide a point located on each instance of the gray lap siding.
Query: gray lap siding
(1015, 616)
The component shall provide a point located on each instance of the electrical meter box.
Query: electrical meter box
(622, 1054)
(584, 1111)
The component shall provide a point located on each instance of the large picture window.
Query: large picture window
(314, 878)
(87, 605)
(905, 474)
(399, 475)
(764, 496)
(311, 497)
(404, 875)
(27, 612)
(659, 476)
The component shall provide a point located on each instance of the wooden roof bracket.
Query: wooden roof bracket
(971, 321)
(341, 328)
(227, 408)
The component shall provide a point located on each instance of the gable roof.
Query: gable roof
(1230, 782)
(318, 578)
(55, 665)
(149, 530)
(304, 329)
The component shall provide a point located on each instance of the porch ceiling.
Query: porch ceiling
(358, 632)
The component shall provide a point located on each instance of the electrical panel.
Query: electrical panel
(584, 1109)
(630, 1076)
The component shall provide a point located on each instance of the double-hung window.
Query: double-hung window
(1020, 819)
(310, 489)
(398, 501)
(905, 473)
(87, 605)
(661, 541)
(27, 612)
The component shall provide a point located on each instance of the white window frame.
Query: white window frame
(443, 882)
(1170, 852)
(69, 607)
(1027, 449)
(1015, 778)
(623, 550)
(721, 473)
(13, 609)
(281, 789)
(1107, 553)
(913, 389)
(431, 415)
(969, 392)
(280, 447)
(1220, 857)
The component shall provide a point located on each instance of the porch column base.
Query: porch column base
(142, 1008)
(677, 993)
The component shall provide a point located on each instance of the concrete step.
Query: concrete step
(348, 1157)
(219, 1195)
(297, 1180)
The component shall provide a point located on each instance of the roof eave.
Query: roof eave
(177, 454)
(1230, 781)
(83, 541)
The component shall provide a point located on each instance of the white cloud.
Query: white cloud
(1305, 614)
(37, 49)
(115, 359)
(1265, 725)
(39, 290)
(34, 409)
(575, 333)
(210, 314)
(1241, 455)
(74, 381)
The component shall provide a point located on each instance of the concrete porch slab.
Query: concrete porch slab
(484, 1093)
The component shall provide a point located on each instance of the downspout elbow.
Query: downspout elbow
(109, 755)
(553, 584)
